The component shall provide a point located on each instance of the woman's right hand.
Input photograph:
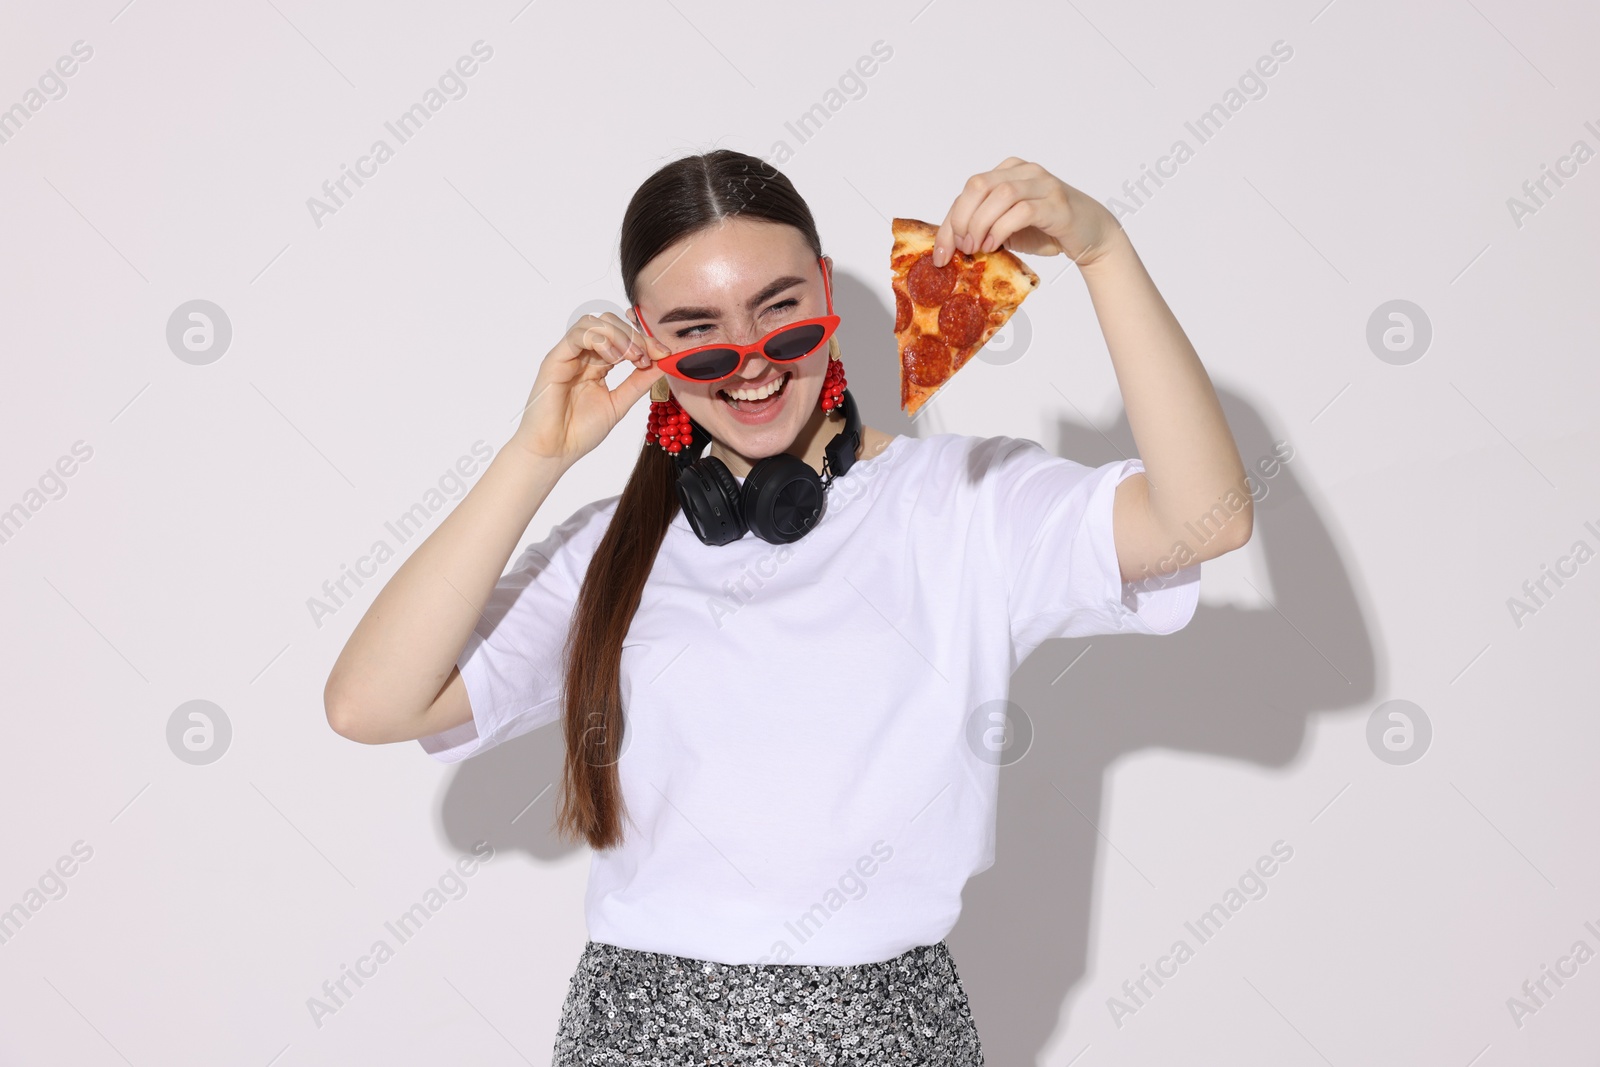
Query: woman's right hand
(570, 409)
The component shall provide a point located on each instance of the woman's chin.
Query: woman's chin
(765, 439)
(758, 434)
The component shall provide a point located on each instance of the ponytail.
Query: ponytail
(678, 200)
(591, 799)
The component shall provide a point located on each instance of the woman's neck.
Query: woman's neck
(810, 444)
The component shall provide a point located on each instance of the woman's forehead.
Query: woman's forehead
(724, 264)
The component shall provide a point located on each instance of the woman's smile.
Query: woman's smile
(757, 404)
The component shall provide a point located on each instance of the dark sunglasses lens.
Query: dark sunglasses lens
(792, 344)
(710, 365)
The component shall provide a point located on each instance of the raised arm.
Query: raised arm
(397, 679)
(1192, 502)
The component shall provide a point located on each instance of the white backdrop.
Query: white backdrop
(173, 509)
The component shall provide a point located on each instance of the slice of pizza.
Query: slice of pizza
(944, 315)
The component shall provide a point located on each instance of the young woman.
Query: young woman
(778, 661)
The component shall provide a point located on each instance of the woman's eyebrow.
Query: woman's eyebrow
(688, 314)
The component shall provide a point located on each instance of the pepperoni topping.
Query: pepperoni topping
(902, 311)
(961, 320)
(927, 361)
(931, 286)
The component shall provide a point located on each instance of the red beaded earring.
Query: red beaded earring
(833, 385)
(668, 424)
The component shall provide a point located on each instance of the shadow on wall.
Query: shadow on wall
(1235, 683)
(1240, 684)
(869, 352)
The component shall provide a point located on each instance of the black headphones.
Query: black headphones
(781, 499)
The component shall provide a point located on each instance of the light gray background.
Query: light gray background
(369, 353)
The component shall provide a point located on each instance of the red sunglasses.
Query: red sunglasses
(718, 362)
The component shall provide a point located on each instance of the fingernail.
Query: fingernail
(988, 244)
(938, 255)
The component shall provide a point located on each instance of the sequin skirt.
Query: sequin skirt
(630, 1008)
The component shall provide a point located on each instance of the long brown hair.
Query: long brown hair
(683, 197)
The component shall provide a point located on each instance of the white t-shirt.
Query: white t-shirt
(809, 762)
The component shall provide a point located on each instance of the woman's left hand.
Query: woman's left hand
(1027, 209)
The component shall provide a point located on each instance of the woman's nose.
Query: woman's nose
(754, 369)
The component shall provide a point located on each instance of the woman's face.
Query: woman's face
(737, 281)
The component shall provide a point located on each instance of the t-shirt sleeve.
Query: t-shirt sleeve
(512, 663)
(1053, 525)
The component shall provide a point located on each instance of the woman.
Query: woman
(779, 737)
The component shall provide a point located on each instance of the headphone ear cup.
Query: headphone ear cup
(710, 498)
(782, 498)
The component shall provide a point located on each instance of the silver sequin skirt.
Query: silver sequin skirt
(630, 1008)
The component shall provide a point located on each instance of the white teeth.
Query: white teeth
(756, 394)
